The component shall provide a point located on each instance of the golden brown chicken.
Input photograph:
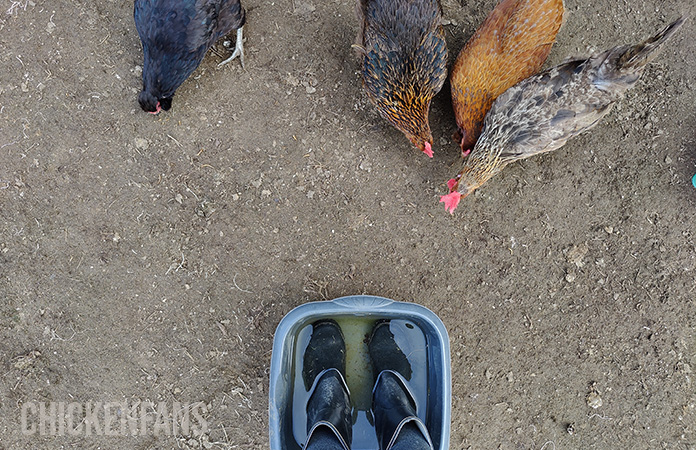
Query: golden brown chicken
(402, 48)
(511, 45)
(542, 112)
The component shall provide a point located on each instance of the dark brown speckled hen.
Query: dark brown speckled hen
(402, 48)
(542, 112)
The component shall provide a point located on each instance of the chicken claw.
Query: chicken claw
(238, 50)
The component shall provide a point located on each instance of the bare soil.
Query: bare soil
(151, 258)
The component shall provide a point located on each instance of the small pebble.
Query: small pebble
(570, 429)
(594, 400)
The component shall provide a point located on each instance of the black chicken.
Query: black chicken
(175, 35)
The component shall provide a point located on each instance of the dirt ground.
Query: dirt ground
(150, 258)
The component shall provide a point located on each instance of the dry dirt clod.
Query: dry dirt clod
(576, 253)
(23, 362)
(141, 143)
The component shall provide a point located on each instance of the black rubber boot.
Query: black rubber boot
(393, 405)
(324, 371)
(385, 353)
(326, 350)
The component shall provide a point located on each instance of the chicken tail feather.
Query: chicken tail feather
(639, 55)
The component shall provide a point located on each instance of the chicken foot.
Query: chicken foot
(238, 50)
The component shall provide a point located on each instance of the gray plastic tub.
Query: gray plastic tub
(430, 343)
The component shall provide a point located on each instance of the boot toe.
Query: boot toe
(326, 350)
(385, 353)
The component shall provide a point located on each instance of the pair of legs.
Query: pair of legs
(329, 423)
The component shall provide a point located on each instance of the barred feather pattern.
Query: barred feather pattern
(541, 113)
(404, 61)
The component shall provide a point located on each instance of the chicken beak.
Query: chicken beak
(452, 183)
